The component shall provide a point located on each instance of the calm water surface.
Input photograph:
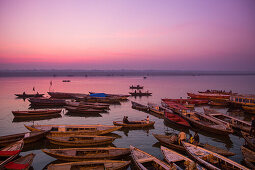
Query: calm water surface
(161, 87)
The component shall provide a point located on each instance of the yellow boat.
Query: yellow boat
(74, 129)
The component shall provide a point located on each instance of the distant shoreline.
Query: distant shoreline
(92, 73)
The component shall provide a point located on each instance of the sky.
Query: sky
(128, 34)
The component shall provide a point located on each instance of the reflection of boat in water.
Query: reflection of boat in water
(75, 114)
(145, 130)
(30, 119)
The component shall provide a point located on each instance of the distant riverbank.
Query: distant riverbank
(86, 73)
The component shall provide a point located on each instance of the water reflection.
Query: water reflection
(31, 119)
(127, 130)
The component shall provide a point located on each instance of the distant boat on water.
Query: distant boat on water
(136, 87)
(66, 80)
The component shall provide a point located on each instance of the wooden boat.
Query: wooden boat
(110, 100)
(171, 142)
(80, 140)
(82, 109)
(217, 92)
(179, 161)
(118, 96)
(156, 108)
(43, 101)
(208, 96)
(234, 122)
(210, 159)
(186, 101)
(249, 140)
(31, 116)
(249, 109)
(24, 95)
(10, 152)
(242, 100)
(144, 161)
(64, 95)
(74, 129)
(82, 104)
(66, 80)
(97, 164)
(140, 93)
(139, 106)
(136, 87)
(249, 157)
(22, 163)
(174, 118)
(28, 137)
(82, 154)
(134, 124)
(36, 112)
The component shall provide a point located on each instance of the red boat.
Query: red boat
(173, 118)
(208, 96)
(189, 101)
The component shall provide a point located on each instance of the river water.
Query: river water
(161, 87)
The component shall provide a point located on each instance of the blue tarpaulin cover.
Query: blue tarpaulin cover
(98, 95)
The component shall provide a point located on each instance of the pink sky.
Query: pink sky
(127, 34)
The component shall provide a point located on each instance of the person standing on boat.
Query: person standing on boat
(196, 139)
(191, 139)
(181, 137)
(252, 126)
(147, 120)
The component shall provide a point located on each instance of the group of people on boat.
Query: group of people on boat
(126, 121)
(193, 140)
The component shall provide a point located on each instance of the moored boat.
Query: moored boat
(31, 116)
(140, 93)
(172, 142)
(82, 109)
(96, 164)
(65, 95)
(227, 119)
(139, 106)
(249, 109)
(80, 140)
(24, 95)
(36, 112)
(174, 118)
(210, 159)
(82, 154)
(136, 87)
(134, 124)
(10, 152)
(249, 157)
(74, 129)
(28, 137)
(249, 140)
(186, 101)
(156, 108)
(22, 163)
(169, 141)
(179, 161)
(145, 161)
(208, 96)
(239, 100)
(43, 101)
